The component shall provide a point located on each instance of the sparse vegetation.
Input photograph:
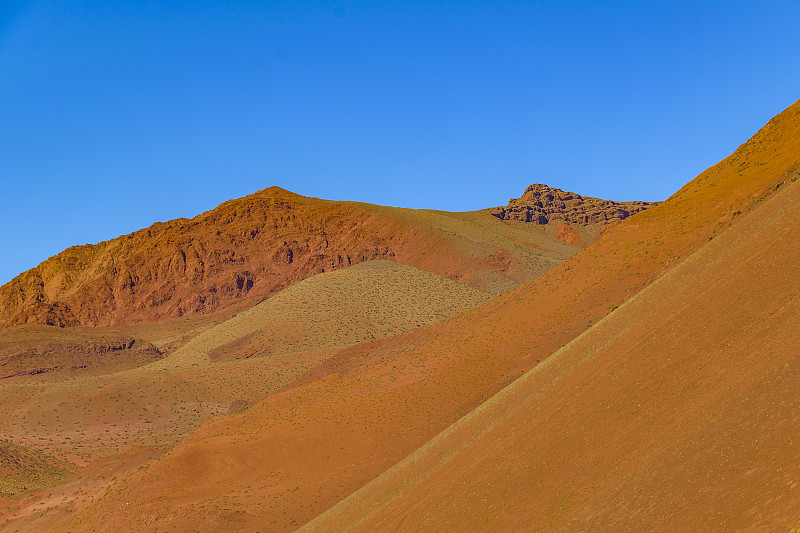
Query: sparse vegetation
(23, 469)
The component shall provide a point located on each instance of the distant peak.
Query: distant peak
(537, 190)
(542, 204)
(540, 187)
(275, 191)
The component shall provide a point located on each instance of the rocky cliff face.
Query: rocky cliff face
(541, 204)
(247, 248)
(250, 247)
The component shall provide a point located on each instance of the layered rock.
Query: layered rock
(541, 204)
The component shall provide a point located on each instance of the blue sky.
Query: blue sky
(114, 115)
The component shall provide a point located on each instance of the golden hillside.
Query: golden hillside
(95, 412)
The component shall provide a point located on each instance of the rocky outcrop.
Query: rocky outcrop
(38, 351)
(245, 248)
(541, 204)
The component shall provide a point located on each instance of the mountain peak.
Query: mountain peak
(542, 204)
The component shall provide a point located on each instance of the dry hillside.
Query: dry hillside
(677, 412)
(252, 247)
(98, 413)
(371, 300)
(297, 453)
(23, 469)
(38, 350)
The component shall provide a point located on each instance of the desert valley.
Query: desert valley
(285, 363)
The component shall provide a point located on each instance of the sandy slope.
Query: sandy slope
(677, 412)
(286, 460)
(23, 469)
(161, 402)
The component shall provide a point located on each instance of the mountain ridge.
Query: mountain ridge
(670, 384)
(252, 247)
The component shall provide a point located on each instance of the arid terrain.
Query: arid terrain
(286, 362)
(250, 248)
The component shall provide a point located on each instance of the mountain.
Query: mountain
(541, 204)
(300, 451)
(676, 412)
(251, 248)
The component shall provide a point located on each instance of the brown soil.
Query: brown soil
(38, 350)
(37, 510)
(94, 413)
(568, 235)
(23, 469)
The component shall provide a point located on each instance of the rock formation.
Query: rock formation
(541, 204)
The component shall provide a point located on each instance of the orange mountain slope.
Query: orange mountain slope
(255, 246)
(286, 460)
(677, 412)
(100, 390)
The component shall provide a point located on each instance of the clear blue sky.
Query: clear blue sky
(114, 115)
